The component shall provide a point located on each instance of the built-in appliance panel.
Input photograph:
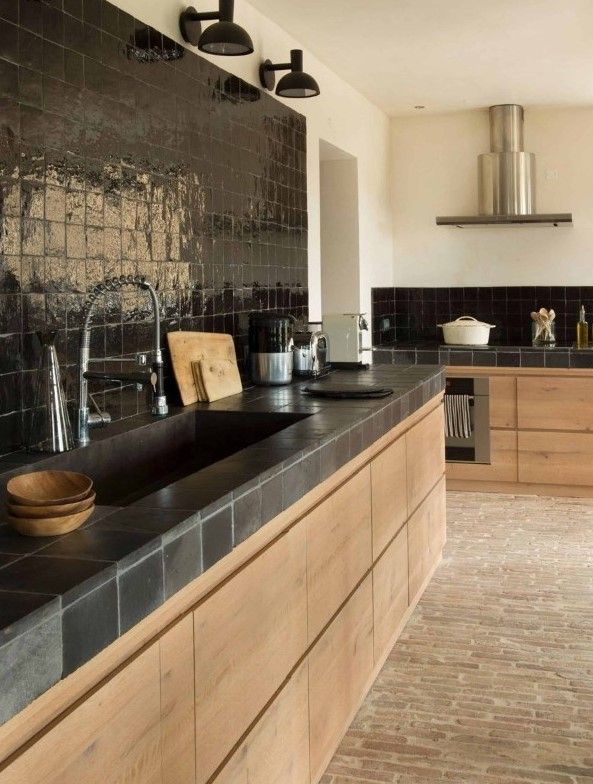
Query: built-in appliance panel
(467, 420)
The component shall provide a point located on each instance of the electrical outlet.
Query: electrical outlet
(552, 174)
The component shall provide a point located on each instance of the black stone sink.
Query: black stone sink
(134, 458)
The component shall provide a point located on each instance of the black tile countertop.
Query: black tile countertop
(64, 599)
(429, 352)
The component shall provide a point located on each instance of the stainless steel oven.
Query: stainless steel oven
(467, 420)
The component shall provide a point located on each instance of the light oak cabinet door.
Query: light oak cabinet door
(340, 666)
(426, 537)
(555, 404)
(425, 447)
(113, 736)
(390, 593)
(178, 726)
(503, 461)
(503, 402)
(389, 494)
(248, 635)
(556, 458)
(339, 548)
(276, 751)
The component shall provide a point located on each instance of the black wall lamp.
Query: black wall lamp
(296, 84)
(225, 37)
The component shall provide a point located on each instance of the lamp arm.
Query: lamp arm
(206, 16)
(278, 66)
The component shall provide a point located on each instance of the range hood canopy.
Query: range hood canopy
(506, 179)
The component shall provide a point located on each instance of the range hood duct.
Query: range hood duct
(506, 174)
(506, 178)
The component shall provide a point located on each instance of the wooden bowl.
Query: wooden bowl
(48, 488)
(49, 526)
(58, 510)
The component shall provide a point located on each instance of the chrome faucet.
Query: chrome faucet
(153, 377)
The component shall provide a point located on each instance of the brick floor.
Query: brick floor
(492, 679)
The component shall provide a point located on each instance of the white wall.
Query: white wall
(340, 256)
(435, 173)
(340, 115)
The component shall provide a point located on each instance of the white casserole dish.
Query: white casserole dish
(466, 331)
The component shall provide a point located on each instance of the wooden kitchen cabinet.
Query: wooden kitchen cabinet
(112, 736)
(340, 666)
(556, 458)
(555, 404)
(255, 673)
(426, 537)
(248, 635)
(390, 593)
(425, 448)
(546, 446)
(178, 731)
(503, 402)
(503, 461)
(339, 548)
(276, 751)
(389, 494)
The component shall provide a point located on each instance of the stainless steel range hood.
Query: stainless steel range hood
(506, 179)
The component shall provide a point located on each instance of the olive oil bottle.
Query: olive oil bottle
(582, 330)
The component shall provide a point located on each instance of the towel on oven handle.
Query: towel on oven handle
(458, 422)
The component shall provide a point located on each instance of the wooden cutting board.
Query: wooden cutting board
(188, 347)
(220, 378)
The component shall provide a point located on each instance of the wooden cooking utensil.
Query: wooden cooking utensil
(59, 510)
(48, 488)
(49, 526)
(188, 347)
(220, 378)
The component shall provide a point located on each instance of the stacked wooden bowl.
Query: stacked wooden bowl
(49, 503)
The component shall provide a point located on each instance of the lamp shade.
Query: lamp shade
(297, 84)
(225, 38)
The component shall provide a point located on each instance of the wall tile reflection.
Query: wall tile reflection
(122, 153)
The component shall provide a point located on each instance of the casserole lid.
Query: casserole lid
(466, 321)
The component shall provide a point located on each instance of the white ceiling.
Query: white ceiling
(449, 55)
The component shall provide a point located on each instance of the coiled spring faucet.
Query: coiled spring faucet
(154, 377)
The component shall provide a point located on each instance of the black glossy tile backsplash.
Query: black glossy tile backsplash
(411, 314)
(123, 153)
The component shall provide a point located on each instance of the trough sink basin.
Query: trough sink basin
(128, 462)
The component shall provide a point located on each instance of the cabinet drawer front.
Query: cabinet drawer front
(503, 402)
(276, 751)
(114, 735)
(503, 457)
(339, 548)
(340, 666)
(389, 494)
(426, 537)
(555, 404)
(425, 448)
(390, 592)
(556, 458)
(248, 635)
(177, 703)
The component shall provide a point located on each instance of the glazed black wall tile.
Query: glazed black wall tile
(411, 314)
(121, 152)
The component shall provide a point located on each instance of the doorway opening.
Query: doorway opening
(340, 257)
